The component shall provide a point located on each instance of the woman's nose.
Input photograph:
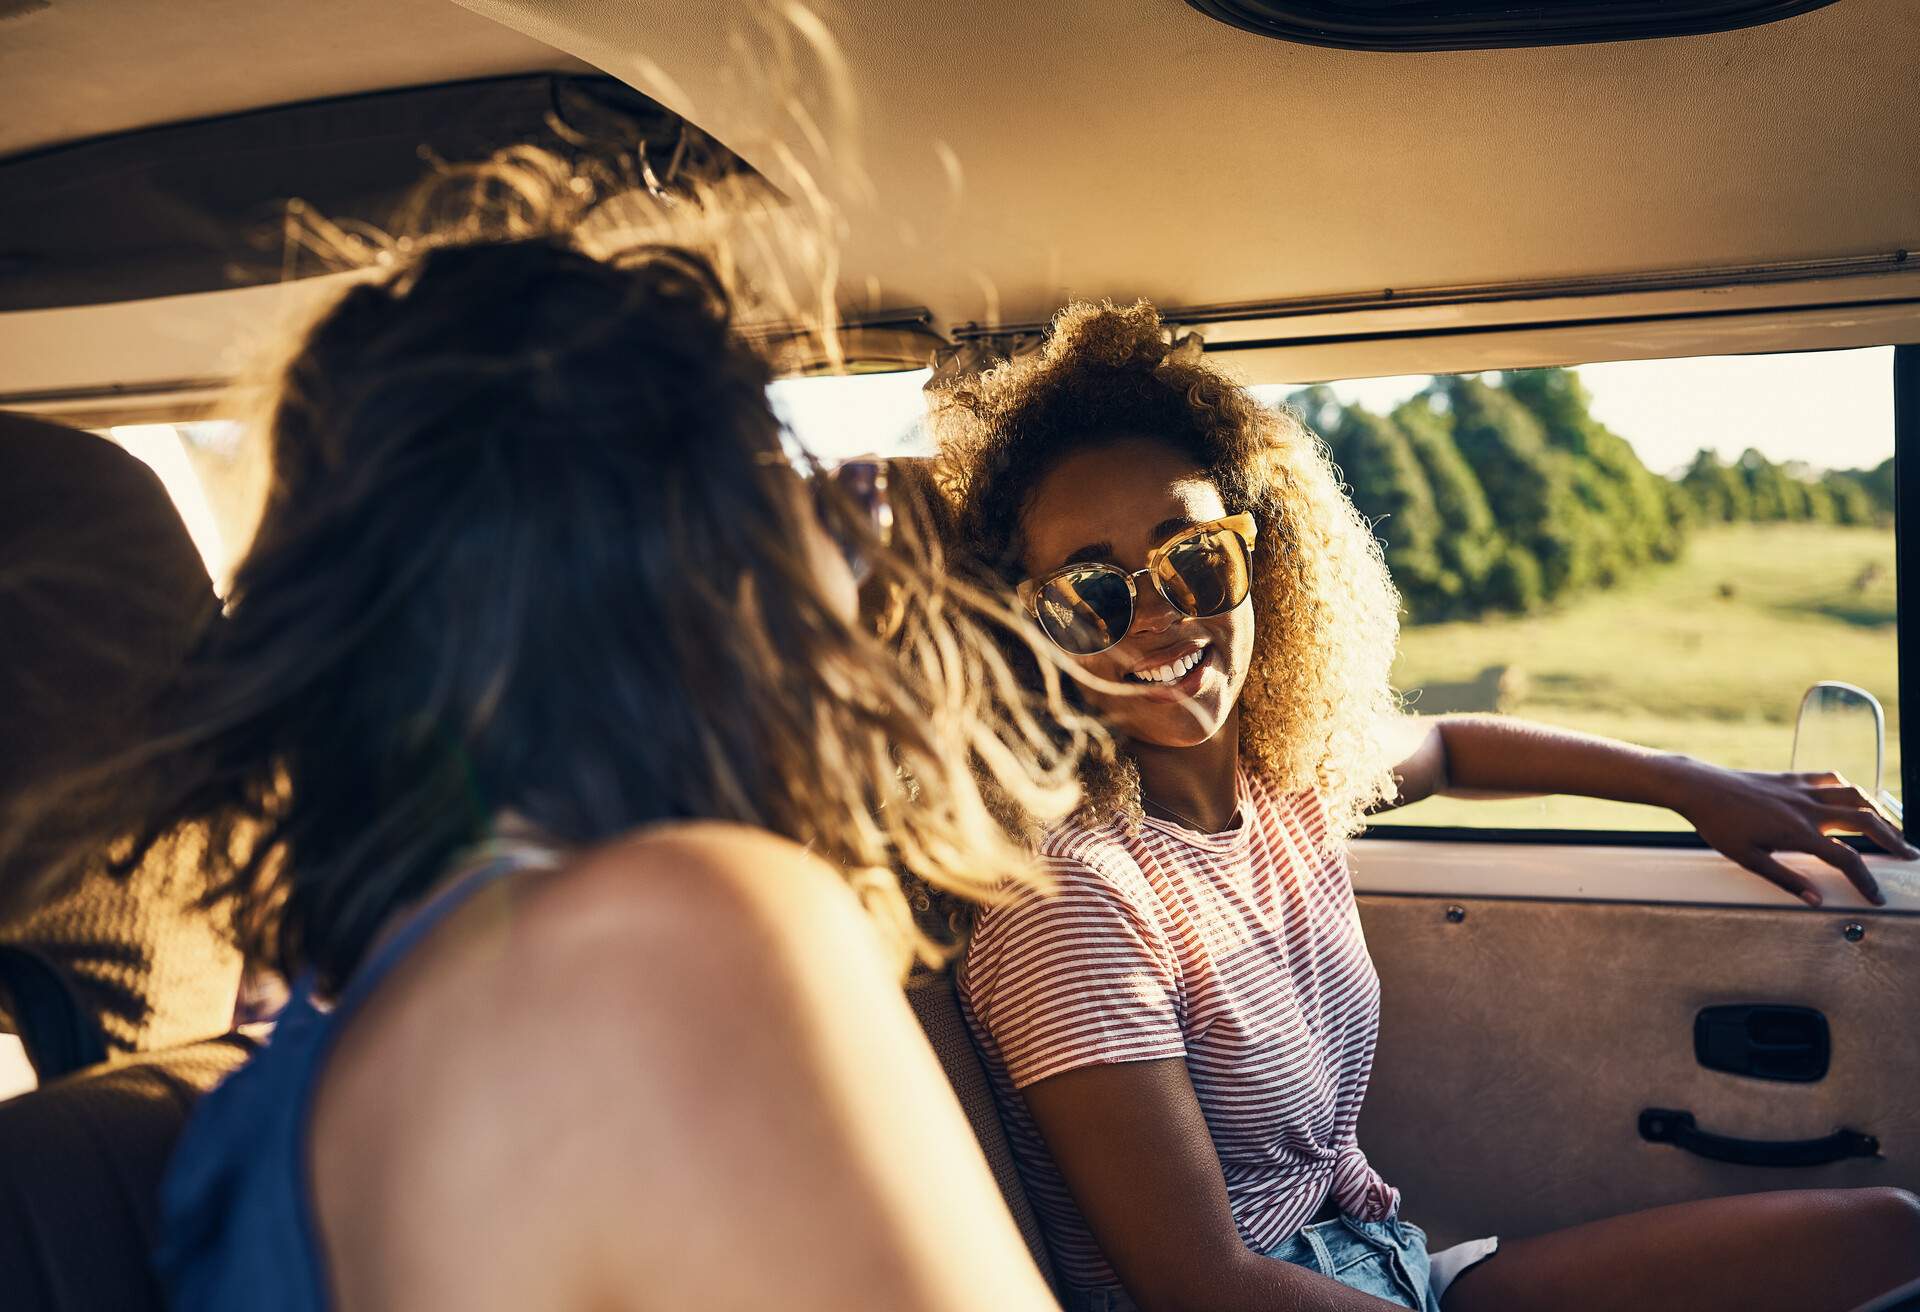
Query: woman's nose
(1152, 614)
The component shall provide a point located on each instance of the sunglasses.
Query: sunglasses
(1204, 570)
(852, 504)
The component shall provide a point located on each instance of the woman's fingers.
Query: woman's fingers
(1869, 822)
(1763, 864)
(1841, 795)
(1851, 864)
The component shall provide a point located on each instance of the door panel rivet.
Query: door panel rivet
(1854, 931)
(1456, 914)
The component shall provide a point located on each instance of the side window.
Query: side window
(837, 418)
(216, 478)
(1667, 551)
(215, 482)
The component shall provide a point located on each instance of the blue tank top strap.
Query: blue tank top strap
(237, 1225)
(420, 922)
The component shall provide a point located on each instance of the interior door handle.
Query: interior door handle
(1658, 1125)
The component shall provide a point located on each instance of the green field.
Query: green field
(1709, 656)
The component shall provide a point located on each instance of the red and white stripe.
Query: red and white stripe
(1240, 952)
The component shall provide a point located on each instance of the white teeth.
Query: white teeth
(1171, 670)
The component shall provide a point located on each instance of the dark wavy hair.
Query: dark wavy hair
(533, 547)
(1326, 615)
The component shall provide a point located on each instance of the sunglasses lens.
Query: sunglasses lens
(1085, 611)
(865, 484)
(861, 488)
(1206, 574)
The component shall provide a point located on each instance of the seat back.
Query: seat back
(101, 590)
(60, 1035)
(80, 1166)
(934, 1002)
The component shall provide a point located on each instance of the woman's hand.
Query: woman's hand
(1748, 815)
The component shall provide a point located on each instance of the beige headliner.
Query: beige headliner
(1001, 157)
(86, 67)
(1141, 148)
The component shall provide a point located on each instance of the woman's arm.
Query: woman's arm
(1134, 1148)
(1747, 815)
(678, 1073)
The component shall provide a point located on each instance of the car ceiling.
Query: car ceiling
(989, 160)
(1106, 149)
(84, 68)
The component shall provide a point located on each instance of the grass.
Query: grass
(1709, 655)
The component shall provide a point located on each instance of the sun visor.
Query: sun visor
(200, 206)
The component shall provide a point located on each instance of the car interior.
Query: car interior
(1579, 1020)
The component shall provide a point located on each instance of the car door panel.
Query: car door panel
(1522, 1038)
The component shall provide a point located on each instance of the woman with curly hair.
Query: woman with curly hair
(1181, 1034)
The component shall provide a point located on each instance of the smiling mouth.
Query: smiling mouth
(1170, 673)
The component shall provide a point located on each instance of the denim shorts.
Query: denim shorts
(1387, 1259)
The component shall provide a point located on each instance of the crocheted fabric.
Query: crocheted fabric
(151, 965)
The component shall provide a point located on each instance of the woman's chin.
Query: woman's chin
(1170, 728)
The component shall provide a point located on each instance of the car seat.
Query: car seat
(80, 1167)
(936, 1005)
(113, 981)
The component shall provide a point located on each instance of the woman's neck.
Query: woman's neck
(1193, 784)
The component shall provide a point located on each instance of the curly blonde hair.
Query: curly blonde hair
(1326, 613)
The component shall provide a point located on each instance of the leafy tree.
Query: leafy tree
(1819, 501)
(1879, 485)
(1317, 407)
(1514, 583)
(1510, 494)
(1390, 488)
(1529, 484)
(1628, 500)
(1852, 502)
(1771, 499)
(1876, 485)
(1717, 489)
(1470, 544)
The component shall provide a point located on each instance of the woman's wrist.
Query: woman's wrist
(1675, 780)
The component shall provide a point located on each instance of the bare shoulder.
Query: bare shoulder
(708, 899)
(610, 1041)
(697, 868)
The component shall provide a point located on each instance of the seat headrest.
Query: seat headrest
(99, 578)
(100, 587)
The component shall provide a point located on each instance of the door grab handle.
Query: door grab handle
(1658, 1125)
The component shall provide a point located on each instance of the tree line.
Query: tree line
(1503, 492)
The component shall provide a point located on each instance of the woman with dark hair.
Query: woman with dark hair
(1181, 1036)
(540, 745)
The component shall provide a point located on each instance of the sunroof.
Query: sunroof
(1489, 24)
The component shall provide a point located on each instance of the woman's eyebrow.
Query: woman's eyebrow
(1166, 528)
(1098, 552)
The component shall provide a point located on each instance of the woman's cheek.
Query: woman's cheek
(1113, 702)
(1240, 643)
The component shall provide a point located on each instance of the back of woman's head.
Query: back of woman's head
(533, 547)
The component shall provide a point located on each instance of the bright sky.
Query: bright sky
(1832, 409)
(861, 415)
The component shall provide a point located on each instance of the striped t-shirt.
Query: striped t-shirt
(1240, 952)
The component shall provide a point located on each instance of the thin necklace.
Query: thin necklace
(1189, 821)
